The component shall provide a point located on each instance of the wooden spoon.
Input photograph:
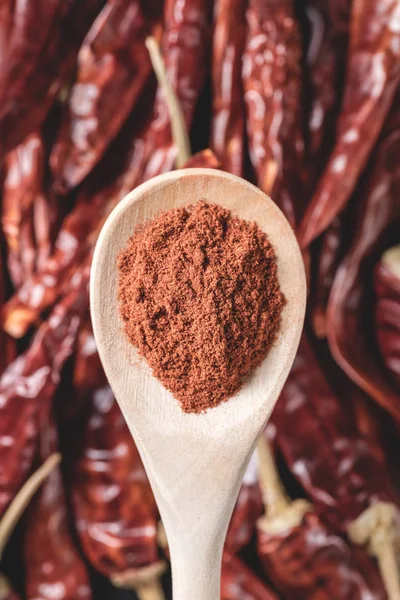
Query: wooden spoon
(195, 463)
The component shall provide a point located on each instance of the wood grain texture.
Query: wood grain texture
(195, 463)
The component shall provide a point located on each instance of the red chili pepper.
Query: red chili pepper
(247, 510)
(205, 159)
(387, 310)
(325, 62)
(79, 229)
(373, 74)
(228, 119)
(28, 385)
(113, 68)
(44, 39)
(22, 185)
(301, 557)
(328, 260)
(272, 85)
(185, 52)
(53, 566)
(349, 309)
(115, 511)
(315, 432)
(238, 582)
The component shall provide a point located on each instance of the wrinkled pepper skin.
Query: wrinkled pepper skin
(272, 92)
(340, 471)
(308, 562)
(373, 74)
(42, 44)
(238, 582)
(228, 113)
(28, 384)
(350, 307)
(387, 313)
(113, 68)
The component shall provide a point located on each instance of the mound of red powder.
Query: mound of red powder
(199, 296)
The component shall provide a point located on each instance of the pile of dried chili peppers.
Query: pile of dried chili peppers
(302, 98)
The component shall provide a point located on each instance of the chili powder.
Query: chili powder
(199, 296)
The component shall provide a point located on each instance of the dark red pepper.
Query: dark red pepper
(373, 74)
(340, 471)
(28, 384)
(41, 48)
(228, 118)
(387, 310)
(238, 582)
(53, 566)
(303, 559)
(113, 68)
(350, 309)
(272, 87)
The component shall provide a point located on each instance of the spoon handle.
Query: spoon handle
(196, 572)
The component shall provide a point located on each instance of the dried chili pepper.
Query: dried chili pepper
(22, 185)
(272, 85)
(387, 310)
(53, 567)
(247, 510)
(6, 592)
(118, 530)
(327, 264)
(339, 470)
(44, 39)
(228, 118)
(302, 558)
(184, 48)
(238, 582)
(350, 304)
(325, 62)
(205, 159)
(113, 68)
(372, 77)
(29, 383)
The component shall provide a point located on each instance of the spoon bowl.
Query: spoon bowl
(195, 463)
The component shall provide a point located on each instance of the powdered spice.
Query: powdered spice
(200, 299)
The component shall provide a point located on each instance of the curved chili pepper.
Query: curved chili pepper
(228, 118)
(118, 530)
(387, 310)
(43, 41)
(53, 567)
(113, 68)
(22, 185)
(302, 558)
(185, 51)
(272, 85)
(28, 385)
(325, 61)
(79, 230)
(328, 260)
(340, 471)
(238, 582)
(372, 77)
(204, 159)
(247, 509)
(349, 307)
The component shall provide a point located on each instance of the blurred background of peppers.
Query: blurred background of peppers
(301, 97)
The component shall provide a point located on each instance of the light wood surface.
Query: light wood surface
(195, 463)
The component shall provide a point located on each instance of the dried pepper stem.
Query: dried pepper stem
(22, 499)
(377, 528)
(179, 131)
(145, 582)
(391, 259)
(280, 512)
